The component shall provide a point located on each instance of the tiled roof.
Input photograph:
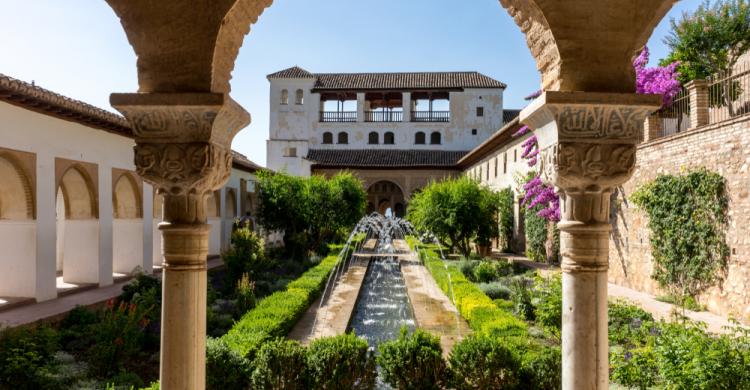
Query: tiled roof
(44, 101)
(509, 115)
(384, 158)
(401, 80)
(241, 161)
(38, 99)
(294, 72)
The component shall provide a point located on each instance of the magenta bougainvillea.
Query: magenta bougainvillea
(535, 191)
(658, 79)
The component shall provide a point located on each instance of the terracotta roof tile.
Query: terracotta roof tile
(38, 99)
(384, 158)
(399, 80)
(509, 115)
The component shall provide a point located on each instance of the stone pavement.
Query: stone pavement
(333, 317)
(57, 308)
(433, 310)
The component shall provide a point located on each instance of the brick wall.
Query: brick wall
(723, 148)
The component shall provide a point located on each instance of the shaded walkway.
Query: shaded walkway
(57, 308)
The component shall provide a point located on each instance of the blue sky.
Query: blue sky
(77, 47)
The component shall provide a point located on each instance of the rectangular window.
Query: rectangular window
(487, 174)
(480, 111)
(515, 155)
(505, 163)
(473, 131)
(497, 161)
(290, 152)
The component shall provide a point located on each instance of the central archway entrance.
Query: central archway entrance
(384, 195)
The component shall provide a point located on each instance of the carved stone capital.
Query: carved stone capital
(588, 144)
(183, 146)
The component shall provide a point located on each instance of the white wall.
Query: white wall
(299, 126)
(127, 245)
(18, 259)
(81, 252)
(214, 236)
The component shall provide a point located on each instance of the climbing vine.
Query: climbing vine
(505, 220)
(688, 220)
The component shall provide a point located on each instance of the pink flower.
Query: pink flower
(658, 80)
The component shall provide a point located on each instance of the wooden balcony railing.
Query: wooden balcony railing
(338, 116)
(384, 116)
(430, 116)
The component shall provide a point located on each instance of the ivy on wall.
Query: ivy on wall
(688, 220)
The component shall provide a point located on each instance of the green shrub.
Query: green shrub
(635, 368)
(548, 304)
(689, 358)
(225, 368)
(467, 268)
(275, 315)
(482, 362)
(280, 365)
(521, 295)
(25, 357)
(503, 268)
(421, 353)
(541, 369)
(485, 272)
(536, 235)
(74, 330)
(142, 284)
(475, 306)
(341, 363)
(245, 293)
(245, 256)
(628, 323)
(495, 290)
(119, 337)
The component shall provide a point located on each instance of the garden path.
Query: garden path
(660, 310)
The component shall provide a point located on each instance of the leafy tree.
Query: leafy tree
(311, 211)
(505, 214)
(709, 41)
(457, 211)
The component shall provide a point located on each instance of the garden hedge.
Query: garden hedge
(482, 314)
(276, 315)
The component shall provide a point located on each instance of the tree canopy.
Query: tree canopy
(709, 40)
(311, 211)
(457, 211)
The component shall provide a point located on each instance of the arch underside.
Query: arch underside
(16, 194)
(78, 194)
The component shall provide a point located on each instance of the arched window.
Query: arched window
(284, 96)
(299, 97)
(328, 138)
(419, 138)
(373, 138)
(435, 138)
(388, 138)
(343, 137)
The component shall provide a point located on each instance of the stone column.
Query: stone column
(360, 106)
(183, 149)
(698, 92)
(588, 144)
(406, 104)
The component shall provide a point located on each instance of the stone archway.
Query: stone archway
(127, 226)
(17, 229)
(383, 195)
(77, 227)
(184, 70)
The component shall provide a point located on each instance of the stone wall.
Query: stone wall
(723, 148)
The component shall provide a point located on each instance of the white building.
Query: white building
(73, 212)
(427, 111)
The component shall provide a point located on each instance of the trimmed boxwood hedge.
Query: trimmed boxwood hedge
(483, 315)
(276, 315)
